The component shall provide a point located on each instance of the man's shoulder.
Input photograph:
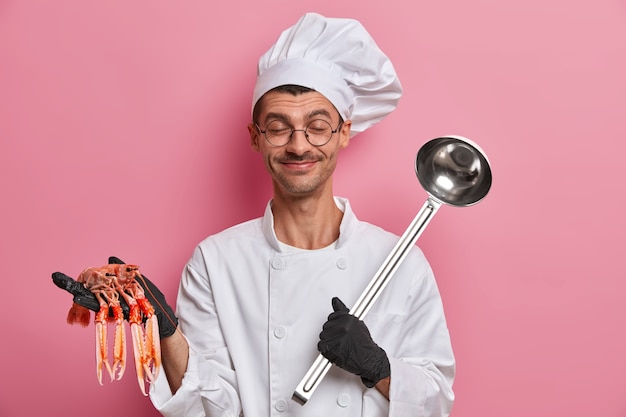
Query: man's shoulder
(381, 240)
(375, 231)
(247, 229)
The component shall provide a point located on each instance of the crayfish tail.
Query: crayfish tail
(78, 315)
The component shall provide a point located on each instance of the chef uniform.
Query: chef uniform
(252, 308)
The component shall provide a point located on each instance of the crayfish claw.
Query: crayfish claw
(105, 286)
(101, 351)
(119, 363)
(153, 347)
(138, 350)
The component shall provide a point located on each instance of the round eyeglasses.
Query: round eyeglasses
(317, 132)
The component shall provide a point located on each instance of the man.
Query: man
(254, 300)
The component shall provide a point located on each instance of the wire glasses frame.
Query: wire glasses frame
(317, 132)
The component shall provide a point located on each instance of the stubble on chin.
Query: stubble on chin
(297, 183)
(300, 183)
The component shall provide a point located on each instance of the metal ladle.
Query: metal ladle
(454, 171)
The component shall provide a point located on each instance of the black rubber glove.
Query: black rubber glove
(84, 297)
(346, 342)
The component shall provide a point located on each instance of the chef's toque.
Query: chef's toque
(337, 58)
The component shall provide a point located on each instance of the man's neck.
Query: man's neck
(306, 223)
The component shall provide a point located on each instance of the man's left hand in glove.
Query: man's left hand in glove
(346, 341)
(84, 297)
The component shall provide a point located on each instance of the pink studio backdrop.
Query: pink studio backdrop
(123, 132)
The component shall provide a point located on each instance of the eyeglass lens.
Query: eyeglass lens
(318, 132)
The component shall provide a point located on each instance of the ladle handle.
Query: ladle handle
(321, 366)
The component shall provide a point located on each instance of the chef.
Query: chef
(260, 300)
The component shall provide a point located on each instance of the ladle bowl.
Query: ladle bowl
(452, 170)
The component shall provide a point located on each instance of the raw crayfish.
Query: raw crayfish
(108, 283)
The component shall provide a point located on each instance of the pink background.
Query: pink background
(123, 132)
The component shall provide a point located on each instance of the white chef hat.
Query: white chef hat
(337, 58)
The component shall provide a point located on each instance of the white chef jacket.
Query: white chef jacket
(252, 313)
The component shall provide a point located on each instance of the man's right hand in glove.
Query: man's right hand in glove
(346, 341)
(84, 297)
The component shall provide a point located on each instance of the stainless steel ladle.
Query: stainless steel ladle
(454, 171)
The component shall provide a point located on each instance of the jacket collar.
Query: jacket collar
(348, 224)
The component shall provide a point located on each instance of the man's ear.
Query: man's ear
(254, 136)
(344, 138)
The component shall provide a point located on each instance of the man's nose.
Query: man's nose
(296, 142)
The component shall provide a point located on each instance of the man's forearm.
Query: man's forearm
(174, 357)
(383, 386)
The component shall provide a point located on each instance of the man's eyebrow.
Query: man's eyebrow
(278, 116)
(320, 112)
(313, 114)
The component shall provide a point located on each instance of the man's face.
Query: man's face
(298, 168)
